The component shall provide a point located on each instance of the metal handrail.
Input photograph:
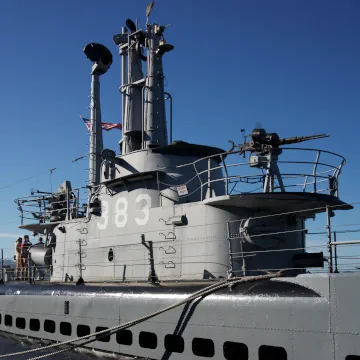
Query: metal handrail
(38, 205)
(317, 176)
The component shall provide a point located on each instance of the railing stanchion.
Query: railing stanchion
(171, 115)
(315, 169)
(329, 245)
(227, 176)
(201, 184)
(2, 266)
(28, 274)
(209, 189)
(335, 254)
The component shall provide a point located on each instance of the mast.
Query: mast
(144, 120)
(102, 59)
(132, 84)
(155, 118)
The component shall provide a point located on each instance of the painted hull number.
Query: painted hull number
(120, 215)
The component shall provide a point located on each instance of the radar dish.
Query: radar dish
(97, 52)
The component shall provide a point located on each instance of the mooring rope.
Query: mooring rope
(201, 293)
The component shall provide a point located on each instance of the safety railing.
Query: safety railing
(319, 175)
(331, 239)
(334, 241)
(45, 207)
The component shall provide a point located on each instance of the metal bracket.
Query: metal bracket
(81, 266)
(175, 220)
(82, 231)
(167, 236)
(81, 254)
(168, 265)
(169, 250)
(82, 242)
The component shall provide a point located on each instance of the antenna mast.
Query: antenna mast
(102, 59)
(144, 120)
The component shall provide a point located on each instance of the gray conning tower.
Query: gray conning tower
(144, 119)
(163, 210)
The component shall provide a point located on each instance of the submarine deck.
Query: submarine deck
(263, 288)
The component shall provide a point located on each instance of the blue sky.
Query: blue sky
(293, 66)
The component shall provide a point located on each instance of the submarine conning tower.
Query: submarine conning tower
(169, 210)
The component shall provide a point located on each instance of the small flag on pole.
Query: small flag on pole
(105, 126)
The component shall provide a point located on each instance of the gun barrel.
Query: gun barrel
(298, 139)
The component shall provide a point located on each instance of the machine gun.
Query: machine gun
(266, 149)
(264, 143)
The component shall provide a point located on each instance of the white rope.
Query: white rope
(204, 292)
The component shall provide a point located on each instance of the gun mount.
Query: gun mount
(263, 143)
(266, 146)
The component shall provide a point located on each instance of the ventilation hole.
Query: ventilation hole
(148, 340)
(82, 330)
(111, 255)
(352, 357)
(174, 343)
(203, 347)
(20, 323)
(8, 320)
(66, 307)
(105, 337)
(49, 326)
(65, 328)
(272, 353)
(235, 351)
(124, 337)
(34, 325)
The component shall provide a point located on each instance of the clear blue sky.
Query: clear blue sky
(293, 66)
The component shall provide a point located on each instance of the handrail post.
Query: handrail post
(201, 184)
(329, 245)
(158, 186)
(2, 267)
(230, 273)
(227, 176)
(142, 116)
(171, 113)
(305, 183)
(315, 168)
(78, 203)
(335, 254)
(80, 259)
(29, 275)
(209, 189)
(68, 204)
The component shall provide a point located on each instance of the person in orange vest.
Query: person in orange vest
(25, 256)
(18, 263)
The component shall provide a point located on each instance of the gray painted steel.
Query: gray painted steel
(162, 222)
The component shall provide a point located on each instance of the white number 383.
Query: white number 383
(121, 212)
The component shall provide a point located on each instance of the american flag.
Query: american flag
(105, 126)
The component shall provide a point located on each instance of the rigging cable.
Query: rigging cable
(201, 293)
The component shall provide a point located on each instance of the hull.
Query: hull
(10, 343)
(307, 317)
